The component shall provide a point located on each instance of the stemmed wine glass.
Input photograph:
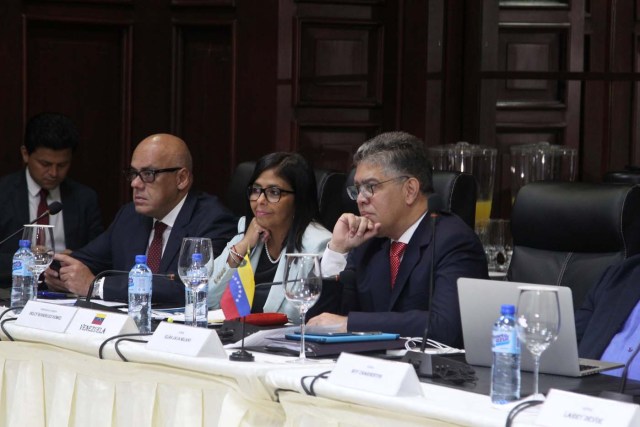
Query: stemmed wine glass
(537, 323)
(42, 247)
(195, 251)
(303, 284)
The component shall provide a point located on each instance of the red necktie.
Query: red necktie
(42, 207)
(395, 256)
(154, 255)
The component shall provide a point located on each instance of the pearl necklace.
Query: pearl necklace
(273, 261)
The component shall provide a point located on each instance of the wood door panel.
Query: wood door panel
(83, 71)
(340, 63)
(203, 105)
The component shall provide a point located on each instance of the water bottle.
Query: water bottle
(196, 293)
(140, 294)
(23, 286)
(505, 370)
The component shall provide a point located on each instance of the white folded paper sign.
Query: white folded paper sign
(563, 408)
(45, 316)
(376, 376)
(186, 340)
(100, 324)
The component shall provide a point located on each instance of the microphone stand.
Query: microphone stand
(53, 209)
(242, 355)
(87, 303)
(620, 394)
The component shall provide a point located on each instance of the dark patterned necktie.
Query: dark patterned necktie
(395, 256)
(154, 255)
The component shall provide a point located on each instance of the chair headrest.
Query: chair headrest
(565, 216)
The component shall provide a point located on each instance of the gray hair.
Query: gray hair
(398, 152)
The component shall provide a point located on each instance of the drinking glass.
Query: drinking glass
(42, 247)
(196, 284)
(537, 323)
(303, 284)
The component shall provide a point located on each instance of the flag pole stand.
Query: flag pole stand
(242, 355)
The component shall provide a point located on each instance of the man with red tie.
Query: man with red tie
(49, 142)
(164, 210)
(389, 247)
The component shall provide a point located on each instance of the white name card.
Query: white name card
(563, 408)
(376, 376)
(186, 340)
(48, 317)
(100, 324)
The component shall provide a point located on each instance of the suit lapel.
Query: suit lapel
(21, 199)
(70, 217)
(412, 255)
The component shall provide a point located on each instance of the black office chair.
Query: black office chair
(330, 184)
(457, 190)
(630, 174)
(568, 233)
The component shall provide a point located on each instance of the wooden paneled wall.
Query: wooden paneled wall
(240, 78)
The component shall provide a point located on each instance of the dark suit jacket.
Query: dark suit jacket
(201, 215)
(82, 220)
(607, 306)
(372, 304)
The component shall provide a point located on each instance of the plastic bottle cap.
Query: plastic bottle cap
(24, 243)
(196, 257)
(507, 309)
(141, 259)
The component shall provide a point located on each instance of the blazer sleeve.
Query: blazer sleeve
(222, 273)
(458, 254)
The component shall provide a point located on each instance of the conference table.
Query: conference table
(55, 380)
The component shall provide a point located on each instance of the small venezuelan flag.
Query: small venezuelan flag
(237, 298)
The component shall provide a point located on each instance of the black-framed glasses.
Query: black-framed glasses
(146, 175)
(272, 194)
(367, 189)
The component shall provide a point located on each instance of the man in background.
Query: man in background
(164, 210)
(49, 142)
(390, 249)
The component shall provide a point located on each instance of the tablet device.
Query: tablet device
(346, 337)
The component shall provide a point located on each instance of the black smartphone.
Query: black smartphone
(55, 265)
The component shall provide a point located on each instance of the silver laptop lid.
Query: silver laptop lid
(480, 302)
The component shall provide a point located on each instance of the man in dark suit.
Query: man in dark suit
(390, 246)
(608, 323)
(49, 142)
(164, 210)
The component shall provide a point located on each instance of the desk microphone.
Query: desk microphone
(86, 303)
(335, 278)
(620, 395)
(52, 209)
(431, 365)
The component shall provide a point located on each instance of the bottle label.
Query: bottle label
(20, 268)
(506, 342)
(140, 284)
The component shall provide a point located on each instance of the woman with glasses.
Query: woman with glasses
(282, 206)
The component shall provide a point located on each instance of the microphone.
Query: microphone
(52, 209)
(431, 365)
(620, 395)
(87, 303)
(335, 278)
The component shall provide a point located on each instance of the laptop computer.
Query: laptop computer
(480, 302)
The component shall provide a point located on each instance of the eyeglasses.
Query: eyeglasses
(272, 194)
(367, 189)
(146, 175)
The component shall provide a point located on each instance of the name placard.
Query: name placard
(376, 376)
(563, 408)
(186, 340)
(47, 317)
(100, 324)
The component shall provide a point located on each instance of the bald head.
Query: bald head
(169, 147)
(157, 152)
